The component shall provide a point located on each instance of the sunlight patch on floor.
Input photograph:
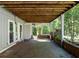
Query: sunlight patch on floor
(40, 40)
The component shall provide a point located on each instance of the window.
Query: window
(11, 32)
(20, 31)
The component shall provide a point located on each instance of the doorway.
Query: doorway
(20, 31)
(11, 31)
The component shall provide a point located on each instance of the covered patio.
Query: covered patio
(19, 18)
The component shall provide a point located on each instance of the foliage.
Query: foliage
(45, 30)
(56, 24)
(34, 30)
(39, 30)
(72, 23)
(57, 34)
(56, 28)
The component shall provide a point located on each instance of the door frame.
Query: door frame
(9, 31)
(20, 39)
(21, 32)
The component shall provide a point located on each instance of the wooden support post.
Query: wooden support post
(50, 30)
(62, 27)
(41, 30)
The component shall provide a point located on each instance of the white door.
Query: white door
(20, 31)
(16, 31)
(11, 31)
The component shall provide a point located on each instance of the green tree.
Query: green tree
(72, 22)
(39, 30)
(34, 30)
(45, 30)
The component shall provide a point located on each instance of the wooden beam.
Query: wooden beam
(36, 2)
(37, 13)
(36, 10)
(38, 18)
(46, 16)
(36, 6)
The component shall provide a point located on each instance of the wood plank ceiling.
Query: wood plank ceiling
(38, 11)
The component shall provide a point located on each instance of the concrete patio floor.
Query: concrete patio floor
(35, 48)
